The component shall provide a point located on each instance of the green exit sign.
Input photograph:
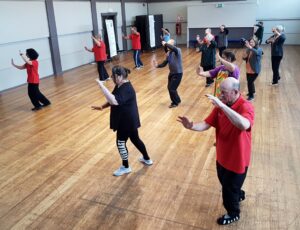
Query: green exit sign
(220, 5)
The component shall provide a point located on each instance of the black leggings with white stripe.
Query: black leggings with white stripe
(122, 137)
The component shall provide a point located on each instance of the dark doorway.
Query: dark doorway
(113, 17)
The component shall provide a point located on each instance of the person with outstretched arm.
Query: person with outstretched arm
(233, 119)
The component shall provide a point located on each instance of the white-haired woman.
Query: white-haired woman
(276, 40)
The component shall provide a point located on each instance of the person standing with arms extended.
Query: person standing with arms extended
(208, 55)
(135, 38)
(276, 40)
(220, 73)
(124, 117)
(32, 66)
(233, 119)
(99, 51)
(174, 59)
(222, 39)
(252, 56)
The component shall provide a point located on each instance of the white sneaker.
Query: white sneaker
(122, 170)
(147, 162)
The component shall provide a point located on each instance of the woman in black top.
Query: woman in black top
(208, 55)
(276, 41)
(124, 117)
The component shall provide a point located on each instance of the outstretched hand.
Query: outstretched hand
(215, 101)
(96, 107)
(199, 70)
(185, 122)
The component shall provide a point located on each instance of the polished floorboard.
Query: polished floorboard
(56, 164)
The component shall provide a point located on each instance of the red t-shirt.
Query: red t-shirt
(100, 52)
(33, 72)
(233, 145)
(136, 41)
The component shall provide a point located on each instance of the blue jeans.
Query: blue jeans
(137, 58)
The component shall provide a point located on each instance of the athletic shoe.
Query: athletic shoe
(274, 83)
(207, 85)
(172, 105)
(250, 98)
(36, 108)
(122, 170)
(226, 219)
(146, 162)
(141, 66)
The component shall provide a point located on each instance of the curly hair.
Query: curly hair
(32, 54)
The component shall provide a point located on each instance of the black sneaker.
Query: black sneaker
(250, 98)
(209, 84)
(226, 219)
(274, 83)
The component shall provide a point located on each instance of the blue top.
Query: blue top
(166, 37)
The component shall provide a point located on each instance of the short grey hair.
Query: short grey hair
(280, 28)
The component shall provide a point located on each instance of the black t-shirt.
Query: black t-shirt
(124, 116)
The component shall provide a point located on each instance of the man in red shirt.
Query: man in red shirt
(32, 66)
(99, 51)
(135, 38)
(233, 118)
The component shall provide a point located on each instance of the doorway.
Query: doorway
(113, 17)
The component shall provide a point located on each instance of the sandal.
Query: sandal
(226, 219)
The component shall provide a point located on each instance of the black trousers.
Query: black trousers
(36, 96)
(251, 77)
(103, 75)
(221, 49)
(122, 137)
(209, 80)
(231, 189)
(173, 83)
(275, 67)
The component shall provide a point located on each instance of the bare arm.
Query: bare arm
(199, 127)
(202, 73)
(165, 31)
(21, 67)
(236, 119)
(98, 43)
(25, 58)
(87, 49)
(104, 106)
(230, 66)
(126, 37)
(108, 95)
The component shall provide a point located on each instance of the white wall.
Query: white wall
(74, 26)
(170, 11)
(18, 34)
(286, 13)
(111, 7)
(271, 12)
(133, 9)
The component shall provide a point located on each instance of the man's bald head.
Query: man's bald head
(230, 90)
(230, 83)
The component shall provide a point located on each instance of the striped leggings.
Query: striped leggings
(122, 137)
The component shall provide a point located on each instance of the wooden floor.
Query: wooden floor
(56, 164)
